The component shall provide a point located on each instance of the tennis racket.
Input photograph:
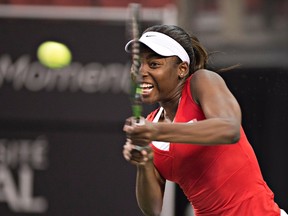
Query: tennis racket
(136, 78)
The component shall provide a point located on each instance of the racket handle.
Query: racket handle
(140, 148)
(138, 121)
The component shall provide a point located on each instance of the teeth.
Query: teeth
(146, 85)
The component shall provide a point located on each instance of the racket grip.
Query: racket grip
(138, 121)
(140, 148)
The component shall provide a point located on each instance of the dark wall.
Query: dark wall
(263, 96)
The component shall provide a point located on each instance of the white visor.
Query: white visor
(162, 44)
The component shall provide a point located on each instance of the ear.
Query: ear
(183, 70)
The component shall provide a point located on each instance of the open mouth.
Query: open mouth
(146, 88)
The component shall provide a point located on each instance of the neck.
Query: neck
(171, 106)
(170, 109)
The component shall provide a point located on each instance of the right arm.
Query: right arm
(149, 189)
(149, 184)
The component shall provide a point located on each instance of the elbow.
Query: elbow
(234, 138)
(233, 135)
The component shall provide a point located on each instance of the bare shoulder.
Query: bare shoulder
(206, 82)
(204, 74)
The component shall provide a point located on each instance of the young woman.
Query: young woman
(194, 138)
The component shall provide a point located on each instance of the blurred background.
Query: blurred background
(61, 130)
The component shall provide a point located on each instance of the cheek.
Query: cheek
(172, 77)
(165, 79)
(168, 84)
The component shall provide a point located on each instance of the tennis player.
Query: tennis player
(195, 137)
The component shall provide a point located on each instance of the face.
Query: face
(160, 76)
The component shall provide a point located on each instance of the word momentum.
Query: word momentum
(91, 78)
(18, 161)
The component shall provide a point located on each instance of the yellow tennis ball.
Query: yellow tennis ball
(54, 55)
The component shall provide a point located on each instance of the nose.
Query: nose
(143, 70)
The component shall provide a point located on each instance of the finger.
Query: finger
(147, 156)
(138, 161)
(135, 154)
(126, 154)
(127, 150)
(128, 129)
(128, 121)
(146, 153)
(130, 153)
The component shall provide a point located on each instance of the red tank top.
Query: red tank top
(217, 180)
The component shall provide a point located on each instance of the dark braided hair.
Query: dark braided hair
(196, 52)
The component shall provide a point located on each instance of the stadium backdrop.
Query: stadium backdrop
(61, 131)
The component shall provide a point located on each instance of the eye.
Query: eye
(154, 64)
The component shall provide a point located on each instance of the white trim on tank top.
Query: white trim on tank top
(164, 146)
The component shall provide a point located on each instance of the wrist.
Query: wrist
(145, 166)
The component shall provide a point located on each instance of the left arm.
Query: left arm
(222, 112)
